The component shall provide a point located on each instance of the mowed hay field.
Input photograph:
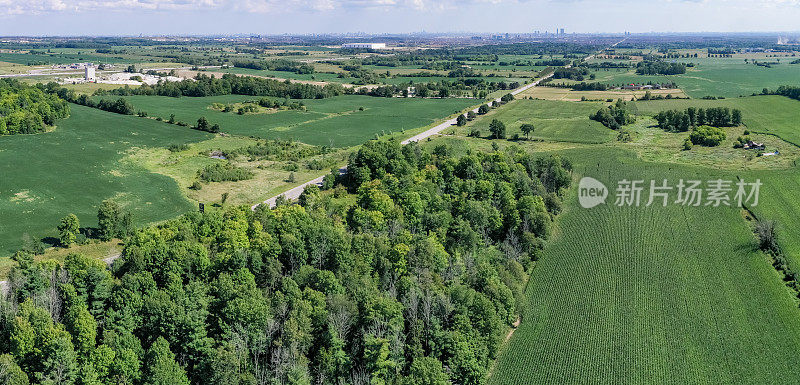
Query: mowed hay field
(75, 167)
(553, 121)
(335, 122)
(654, 295)
(771, 114)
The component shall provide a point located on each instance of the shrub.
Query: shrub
(765, 230)
(178, 147)
(222, 172)
(615, 116)
(707, 136)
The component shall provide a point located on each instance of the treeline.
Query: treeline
(792, 92)
(582, 86)
(203, 85)
(470, 87)
(276, 65)
(606, 64)
(408, 271)
(28, 109)
(660, 68)
(614, 116)
(572, 73)
(681, 121)
(118, 105)
(553, 62)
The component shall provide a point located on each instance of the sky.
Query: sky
(204, 17)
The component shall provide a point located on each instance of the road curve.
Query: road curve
(295, 192)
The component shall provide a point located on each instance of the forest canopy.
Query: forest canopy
(26, 109)
(408, 269)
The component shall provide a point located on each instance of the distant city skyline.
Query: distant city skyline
(176, 17)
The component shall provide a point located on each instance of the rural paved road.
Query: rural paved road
(295, 192)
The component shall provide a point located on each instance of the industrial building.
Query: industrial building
(365, 45)
(90, 75)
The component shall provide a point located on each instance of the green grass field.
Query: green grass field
(55, 58)
(335, 122)
(780, 201)
(553, 121)
(652, 295)
(729, 77)
(775, 115)
(75, 167)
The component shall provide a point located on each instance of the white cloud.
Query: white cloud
(18, 7)
(261, 6)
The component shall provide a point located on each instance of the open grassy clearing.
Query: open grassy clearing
(16, 68)
(270, 177)
(656, 145)
(76, 166)
(776, 115)
(90, 88)
(553, 120)
(335, 122)
(95, 250)
(652, 295)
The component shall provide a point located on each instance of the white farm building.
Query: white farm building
(365, 45)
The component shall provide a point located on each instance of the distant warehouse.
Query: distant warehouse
(365, 45)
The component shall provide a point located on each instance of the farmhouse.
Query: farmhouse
(751, 145)
(657, 86)
(365, 45)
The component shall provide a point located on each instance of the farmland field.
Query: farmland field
(554, 121)
(729, 77)
(555, 93)
(641, 295)
(335, 122)
(780, 201)
(76, 166)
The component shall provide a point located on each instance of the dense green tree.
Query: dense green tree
(461, 120)
(498, 129)
(615, 116)
(160, 367)
(10, 372)
(113, 221)
(526, 129)
(68, 230)
(427, 371)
